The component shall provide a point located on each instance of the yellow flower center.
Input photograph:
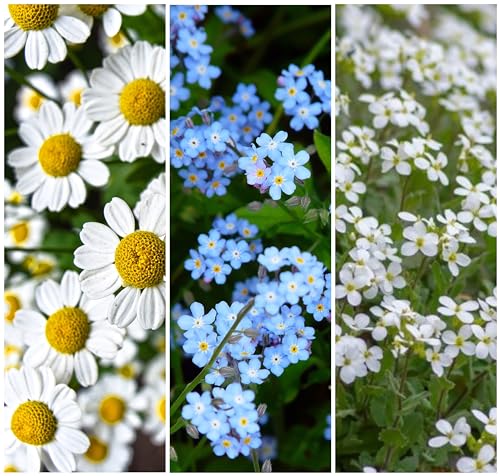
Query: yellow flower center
(98, 450)
(38, 267)
(67, 330)
(75, 96)
(226, 444)
(278, 180)
(118, 39)
(34, 101)
(142, 102)
(20, 232)
(10, 468)
(112, 409)
(33, 17)
(294, 349)
(93, 10)
(127, 371)
(33, 423)
(140, 259)
(12, 304)
(60, 155)
(203, 346)
(161, 409)
(16, 198)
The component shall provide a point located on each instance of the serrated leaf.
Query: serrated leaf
(324, 148)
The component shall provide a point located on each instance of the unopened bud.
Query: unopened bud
(281, 81)
(235, 338)
(293, 202)
(252, 333)
(173, 454)
(205, 285)
(254, 206)
(311, 215)
(192, 431)
(189, 122)
(311, 149)
(267, 467)
(261, 273)
(227, 372)
(261, 409)
(188, 297)
(305, 202)
(231, 169)
(270, 203)
(217, 402)
(324, 216)
(205, 117)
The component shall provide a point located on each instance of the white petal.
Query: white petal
(112, 131)
(98, 283)
(23, 157)
(73, 440)
(94, 172)
(85, 368)
(78, 192)
(119, 217)
(36, 51)
(438, 441)
(124, 308)
(70, 288)
(57, 47)
(444, 427)
(48, 297)
(33, 458)
(112, 22)
(90, 259)
(14, 40)
(31, 134)
(152, 215)
(60, 193)
(99, 237)
(63, 459)
(151, 308)
(72, 29)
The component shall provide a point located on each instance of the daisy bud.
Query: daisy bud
(261, 409)
(235, 338)
(173, 454)
(267, 467)
(227, 372)
(192, 431)
(254, 206)
(252, 333)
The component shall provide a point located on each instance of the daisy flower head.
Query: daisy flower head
(29, 100)
(72, 86)
(104, 456)
(110, 409)
(118, 255)
(127, 97)
(111, 15)
(74, 331)
(44, 418)
(42, 31)
(59, 156)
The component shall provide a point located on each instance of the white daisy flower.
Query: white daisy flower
(44, 418)
(42, 31)
(72, 87)
(127, 97)
(104, 456)
(23, 228)
(111, 44)
(154, 406)
(76, 329)
(41, 266)
(111, 15)
(110, 408)
(60, 155)
(13, 356)
(18, 294)
(119, 256)
(11, 195)
(16, 462)
(155, 373)
(29, 100)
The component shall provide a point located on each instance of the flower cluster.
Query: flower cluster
(286, 165)
(232, 15)
(298, 88)
(228, 417)
(216, 256)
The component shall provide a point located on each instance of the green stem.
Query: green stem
(180, 423)
(420, 272)
(311, 56)
(20, 79)
(190, 386)
(194, 453)
(78, 64)
(403, 195)
(443, 392)
(255, 461)
(10, 132)
(41, 249)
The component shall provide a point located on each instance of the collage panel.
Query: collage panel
(84, 238)
(415, 219)
(250, 238)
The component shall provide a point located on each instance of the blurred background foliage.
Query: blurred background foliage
(299, 400)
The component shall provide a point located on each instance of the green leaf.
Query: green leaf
(413, 401)
(324, 148)
(393, 437)
(407, 465)
(413, 427)
(436, 385)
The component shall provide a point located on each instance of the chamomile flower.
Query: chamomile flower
(127, 97)
(44, 418)
(42, 30)
(118, 255)
(111, 15)
(75, 330)
(155, 413)
(59, 156)
(17, 295)
(110, 409)
(112, 44)
(29, 100)
(23, 229)
(72, 87)
(104, 456)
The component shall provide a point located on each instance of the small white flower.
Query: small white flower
(433, 166)
(459, 342)
(398, 160)
(419, 240)
(490, 421)
(351, 283)
(438, 360)
(487, 337)
(455, 436)
(480, 464)
(462, 311)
